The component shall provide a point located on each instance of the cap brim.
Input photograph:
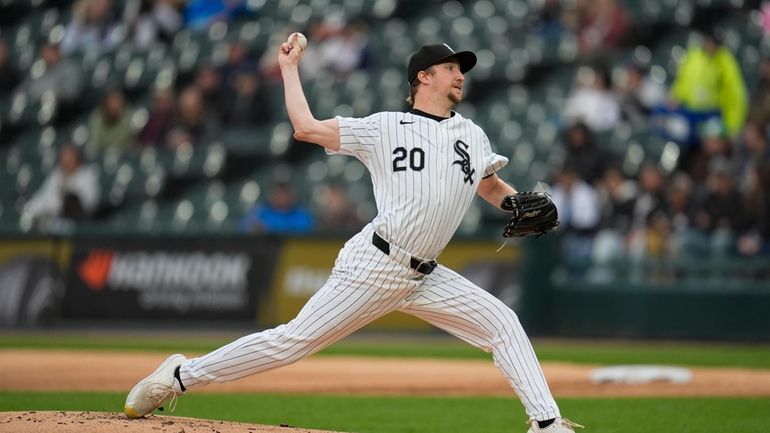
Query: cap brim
(466, 59)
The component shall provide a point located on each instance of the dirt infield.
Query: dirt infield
(58, 370)
(106, 422)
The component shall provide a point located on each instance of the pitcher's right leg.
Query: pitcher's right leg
(350, 299)
(336, 311)
(365, 285)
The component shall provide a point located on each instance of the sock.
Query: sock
(179, 379)
(542, 424)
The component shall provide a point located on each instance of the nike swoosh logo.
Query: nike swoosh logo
(405, 123)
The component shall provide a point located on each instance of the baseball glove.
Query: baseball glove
(534, 214)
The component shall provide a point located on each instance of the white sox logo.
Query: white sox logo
(465, 161)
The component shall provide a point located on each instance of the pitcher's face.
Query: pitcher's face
(447, 79)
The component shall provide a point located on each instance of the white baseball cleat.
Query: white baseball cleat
(560, 425)
(154, 390)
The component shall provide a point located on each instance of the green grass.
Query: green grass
(108, 341)
(587, 352)
(435, 415)
(690, 354)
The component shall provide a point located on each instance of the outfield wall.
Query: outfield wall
(710, 299)
(264, 281)
(261, 281)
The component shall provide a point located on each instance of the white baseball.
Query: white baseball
(297, 39)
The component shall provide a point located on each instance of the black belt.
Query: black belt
(423, 267)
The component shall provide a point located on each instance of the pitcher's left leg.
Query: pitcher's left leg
(449, 301)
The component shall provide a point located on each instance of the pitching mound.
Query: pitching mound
(107, 422)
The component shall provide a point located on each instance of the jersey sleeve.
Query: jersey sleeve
(493, 161)
(358, 136)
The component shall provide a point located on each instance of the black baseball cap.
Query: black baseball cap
(430, 55)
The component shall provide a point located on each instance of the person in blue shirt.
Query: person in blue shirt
(200, 14)
(280, 214)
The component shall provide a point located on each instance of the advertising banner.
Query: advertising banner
(32, 281)
(179, 279)
(306, 264)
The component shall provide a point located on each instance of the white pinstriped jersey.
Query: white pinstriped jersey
(425, 173)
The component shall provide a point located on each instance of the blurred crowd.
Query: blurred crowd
(192, 110)
(714, 201)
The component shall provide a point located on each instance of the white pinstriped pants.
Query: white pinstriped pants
(365, 285)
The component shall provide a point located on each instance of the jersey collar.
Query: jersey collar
(430, 116)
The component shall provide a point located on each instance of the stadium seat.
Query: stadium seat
(280, 138)
(28, 179)
(218, 218)
(522, 157)
(140, 216)
(620, 135)
(545, 138)
(634, 157)
(518, 99)
(248, 141)
(9, 214)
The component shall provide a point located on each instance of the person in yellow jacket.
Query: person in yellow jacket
(709, 86)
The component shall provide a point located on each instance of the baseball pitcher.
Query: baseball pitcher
(427, 165)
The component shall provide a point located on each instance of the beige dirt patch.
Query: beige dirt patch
(106, 422)
(61, 370)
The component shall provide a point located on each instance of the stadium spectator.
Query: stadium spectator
(752, 150)
(193, 124)
(160, 119)
(719, 217)
(110, 125)
(616, 204)
(209, 84)
(679, 209)
(588, 159)
(238, 60)
(93, 27)
(638, 93)
(9, 79)
(348, 50)
(199, 15)
(280, 214)
(337, 48)
(756, 239)
(318, 31)
(243, 89)
(63, 78)
(336, 212)
(709, 85)
(547, 20)
(760, 106)
(764, 10)
(247, 103)
(649, 204)
(603, 25)
(592, 101)
(577, 202)
(714, 144)
(579, 213)
(617, 196)
(70, 192)
(268, 65)
(152, 20)
(658, 238)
